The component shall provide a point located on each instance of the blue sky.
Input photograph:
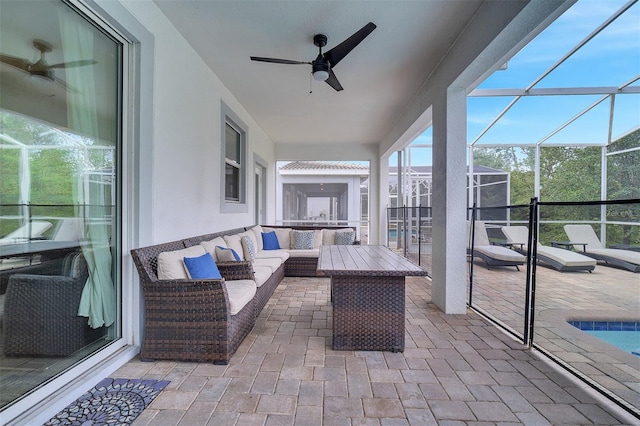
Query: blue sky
(611, 59)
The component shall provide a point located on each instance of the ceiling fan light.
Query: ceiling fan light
(320, 75)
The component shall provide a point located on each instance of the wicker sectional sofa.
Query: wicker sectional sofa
(207, 319)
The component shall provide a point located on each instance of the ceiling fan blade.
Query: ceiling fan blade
(81, 63)
(336, 54)
(333, 81)
(66, 85)
(20, 63)
(279, 61)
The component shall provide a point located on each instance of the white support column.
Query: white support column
(449, 202)
(379, 200)
(536, 174)
(471, 178)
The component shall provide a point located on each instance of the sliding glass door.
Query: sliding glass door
(60, 180)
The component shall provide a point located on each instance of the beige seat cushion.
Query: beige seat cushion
(171, 263)
(273, 254)
(261, 274)
(565, 257)
(271, 263)
(624, 255)
(520, 235)
(240, 293)
(501, 253)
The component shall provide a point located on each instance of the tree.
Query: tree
(623, 182)
(53, 170)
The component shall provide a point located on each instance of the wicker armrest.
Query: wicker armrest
(236, 270)
(40, 287)
(176, 298)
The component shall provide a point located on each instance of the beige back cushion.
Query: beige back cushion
(583, 234)
(210, 246)
(317, 241)
(480, 238)
(516, 234)
(283, 235)
(171, 263)
(235, 242)
(329, 235)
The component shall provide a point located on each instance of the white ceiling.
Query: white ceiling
(379, 76)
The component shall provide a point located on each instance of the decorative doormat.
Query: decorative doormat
(110, 402)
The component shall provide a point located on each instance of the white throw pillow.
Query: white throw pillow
(329, 235)
(251, 235)
(303, 240)
(257, 231)
(249, 248)
(345, 237)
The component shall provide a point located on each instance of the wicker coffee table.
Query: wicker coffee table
(367, 289)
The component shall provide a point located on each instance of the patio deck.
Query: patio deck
(456, 369)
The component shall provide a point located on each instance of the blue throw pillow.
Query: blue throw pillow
(270, 241)
(202, 267)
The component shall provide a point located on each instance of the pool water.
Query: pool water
(623, 335)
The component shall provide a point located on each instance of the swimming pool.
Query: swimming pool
(621, 334)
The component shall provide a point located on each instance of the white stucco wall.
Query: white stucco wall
(186, 163)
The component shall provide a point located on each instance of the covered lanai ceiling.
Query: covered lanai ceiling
(379, 76)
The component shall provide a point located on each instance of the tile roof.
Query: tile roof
(323, 165)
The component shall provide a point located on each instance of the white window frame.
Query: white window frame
(240, 205)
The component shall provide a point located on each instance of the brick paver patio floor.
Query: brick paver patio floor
(455, 370)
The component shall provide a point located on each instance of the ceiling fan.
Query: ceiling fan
(322, 66)
(41, 68)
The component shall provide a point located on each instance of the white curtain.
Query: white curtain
(25, 188)
(98, 301)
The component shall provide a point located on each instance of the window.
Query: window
(232, 164)
(234, 170)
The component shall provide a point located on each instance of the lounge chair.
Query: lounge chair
(68, 229)
(492, 255)
(33, 230)
(559, 259)
(584, 238)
